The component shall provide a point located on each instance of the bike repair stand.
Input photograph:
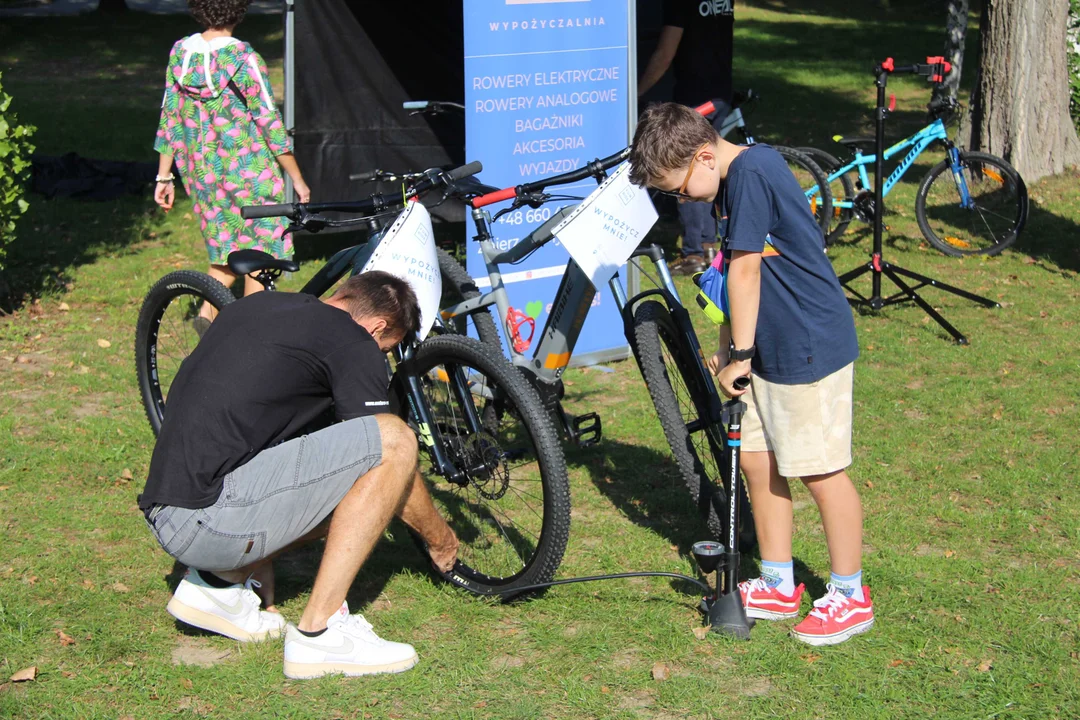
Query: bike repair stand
(934, 71)
(726, 614)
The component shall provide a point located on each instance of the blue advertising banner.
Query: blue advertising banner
(548, 87)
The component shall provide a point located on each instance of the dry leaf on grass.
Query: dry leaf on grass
(126, 474)
(65, 639)
(186, 682)
(660, 672)
(68, 674)
(88, 584)
(25, 674)
(810, 657)
(605, 689)
(63, 307)
(896, 663)
(701, 633)
(121, 587)
(949, 553)
(481, 704)
(103, 343)
(985, 666)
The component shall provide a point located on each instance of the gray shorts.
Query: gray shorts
(274, 499)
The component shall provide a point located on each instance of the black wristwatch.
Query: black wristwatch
(734, 354)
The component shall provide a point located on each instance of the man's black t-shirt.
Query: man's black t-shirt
(269, 365)
(703, 61)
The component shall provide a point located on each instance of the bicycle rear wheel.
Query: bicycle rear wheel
(458, 286)
(511, 507)
(673, 384)
(813, 181)
(842, 188)
(991, 218)
(168, 330)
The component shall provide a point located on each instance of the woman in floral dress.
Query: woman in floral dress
(221, 127)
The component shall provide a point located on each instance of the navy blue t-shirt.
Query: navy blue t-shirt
(805, 330)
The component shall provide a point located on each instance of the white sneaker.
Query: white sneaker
(233, 611)
(349, 647)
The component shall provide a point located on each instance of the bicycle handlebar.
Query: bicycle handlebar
(592, 169)
(295, 211)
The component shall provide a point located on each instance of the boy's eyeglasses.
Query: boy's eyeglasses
(680, 194)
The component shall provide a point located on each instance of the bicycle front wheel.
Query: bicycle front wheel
(168, 330)
(814, 182)
(510, 508)
(979, 210)
(673, 384)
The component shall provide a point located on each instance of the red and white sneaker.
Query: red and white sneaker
(835, 618)
(767, 603)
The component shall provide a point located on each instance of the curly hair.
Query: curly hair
(218, 13)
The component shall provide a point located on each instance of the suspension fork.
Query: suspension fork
(957, 168)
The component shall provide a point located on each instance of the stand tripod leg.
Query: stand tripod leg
(942, 286)
(890, 272)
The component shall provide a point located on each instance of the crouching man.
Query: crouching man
(233, 481)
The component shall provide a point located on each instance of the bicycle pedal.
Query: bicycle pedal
(588, 429)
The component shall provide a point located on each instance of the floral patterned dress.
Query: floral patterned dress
(219, 121)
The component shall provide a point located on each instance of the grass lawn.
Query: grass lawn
(966, 457)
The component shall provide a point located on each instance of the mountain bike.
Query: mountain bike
(488, 451)
(971, 203)
(656, 325)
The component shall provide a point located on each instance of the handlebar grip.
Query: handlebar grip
(741, 383)
(365, 176)
(250, 212)
(492, 198)
(707, 109)
(465, 171)
(415, 105)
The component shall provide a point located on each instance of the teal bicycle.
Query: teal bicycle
(971, 203)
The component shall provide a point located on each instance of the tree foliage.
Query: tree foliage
(15, 149)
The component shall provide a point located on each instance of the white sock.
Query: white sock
(850, 585)
(779, 575)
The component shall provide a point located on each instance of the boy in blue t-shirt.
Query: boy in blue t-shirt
(792, 331)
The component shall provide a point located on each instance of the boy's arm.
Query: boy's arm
(744, 297)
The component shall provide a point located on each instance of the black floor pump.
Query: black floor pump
(934, 70)
(724, 609)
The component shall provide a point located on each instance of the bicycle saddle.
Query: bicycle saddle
(245, 262)
(855, 142)
(471, 187)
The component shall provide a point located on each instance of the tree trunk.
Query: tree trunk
(956, 24)
(1021, 110)
(112, 6)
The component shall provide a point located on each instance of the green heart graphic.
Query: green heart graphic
(534, 308)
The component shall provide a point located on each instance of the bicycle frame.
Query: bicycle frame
(920, 141)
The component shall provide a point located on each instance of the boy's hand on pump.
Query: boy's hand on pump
(731, 372)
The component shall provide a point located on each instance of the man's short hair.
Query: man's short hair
(667, 137)
(218, 13)
(378, 294)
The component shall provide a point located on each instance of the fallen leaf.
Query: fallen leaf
(587, 678)
(896, 663)
(88, 584)
(660, 672)
(985, 666)
(25, 674)
(4, 487)
(63, 307)
(701, 633)
(1029, 260)
(121, 587)
(810, 657)
(373, 702)
(949, 553)
(103, 343)
(870, 484)
(290, 691)
(67, 673)
(481, 704)
(126, 474)
(31, 580)
(605, 689)
(82, 370)
(997, 413)
(65, 639)
(186, 683)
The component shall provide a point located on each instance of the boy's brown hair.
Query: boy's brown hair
(666, 139)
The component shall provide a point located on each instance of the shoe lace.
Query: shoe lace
(249, 591)
(359, 625)
(826, 607)
(757, 584)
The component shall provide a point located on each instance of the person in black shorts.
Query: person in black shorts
(234, 480)
(697, 41)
